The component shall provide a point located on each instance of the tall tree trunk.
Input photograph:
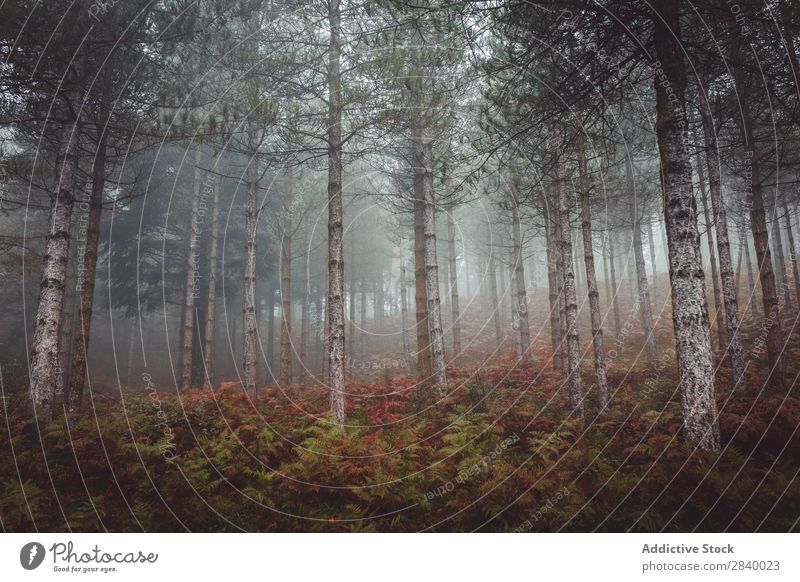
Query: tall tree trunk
(209, 349)
(320, 329)
(689, 308)
(363, 334)
(652, 244)
(453, 273)
(249, 296)
(520, 295)
(792, 250)
(614, 291)
(777, 241)
(335, 304)
(606, 274)
(131, 343)
(712, 258)
(271, 329)
(730, 288)
(286, 304)
(570, 297)
(553, 285)
(515, 326)
(424, 363)
(758, 223)
(192, 290)
(432, 274)
(498, 332)
(87, 278)
(45, 373)
(380, 302)
(742, 242)
(643, 292)
(305, 318)
(591, 278)
(404, 302)
(351, 337)
(751, 281)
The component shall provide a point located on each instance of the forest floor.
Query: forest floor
(497, 451)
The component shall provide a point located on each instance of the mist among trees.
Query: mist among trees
(347, 265)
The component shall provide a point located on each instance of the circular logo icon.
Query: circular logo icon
(31, 555)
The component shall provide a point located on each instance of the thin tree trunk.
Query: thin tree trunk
(689, 308)
(131, 341)
(730, 289)
(754, 312)
(271, 329)
(424, 363)
(192, 290)
(777, 241)
(453, 273)
(87, 278)
(553, 286)
(305, 317)
(742, 243)
(404, 302)
(606, 274)
(498, 332)
(249, 288)
(515, 326)
(591, 278)
(758, 223)
(570, 297)
(712, 258)
(614, 294)
(652, 243)
(792, 250)
(286, 304)
(520, 294)
(363, 334)
(643, 293)
(432, 274)
(45, 373)
(335, 304)
(380, 302)
(211, 303)
(352, 305)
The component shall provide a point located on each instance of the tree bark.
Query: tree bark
(729, 286)
(614, 293)
(553, 285)
(87, 278)
(192, 291)
(211, 302)
(498, 331)
(792, 250)
(335, 304)
(250, 330)
(595, 315)
(432, 274)
(689, 308)
(652, 244)
(46, 377)
(643, 292)
(712, 258)
(520, 304)
(305, 318)
(453, 273)
(758, 223)
(751, 280)
(286, 304)
(570, 297)
(404, 302)
(424, 363)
